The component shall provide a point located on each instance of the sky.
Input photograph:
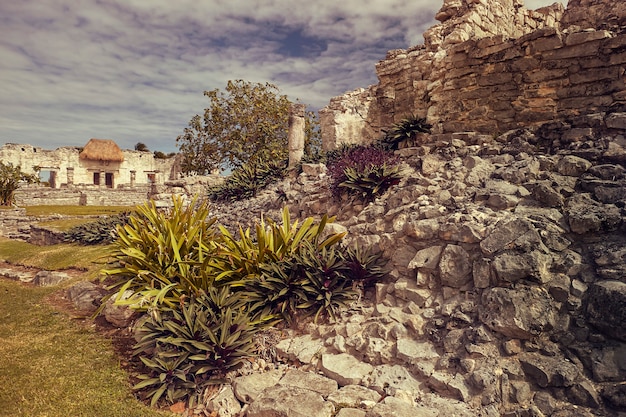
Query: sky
(135, 70)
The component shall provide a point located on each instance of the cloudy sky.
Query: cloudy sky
(135, 70)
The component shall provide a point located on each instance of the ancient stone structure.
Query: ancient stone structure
(492, 66)
(110, 168)
(296, 134)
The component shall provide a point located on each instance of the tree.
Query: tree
(10, 179)
(140, 146)
(247, 123)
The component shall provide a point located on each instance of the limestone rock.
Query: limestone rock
(289, 401)
(301, 348)
(353, 396)
(307, 380)
(549, 371)
(522, 313)
(247, 388)
(393, 407)
(606, 308)
(86, 296)
(388, 379)
(49, 278)
(455, 267)
(344, 368)
(224, 403)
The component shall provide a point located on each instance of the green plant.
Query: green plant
(371, 181)
(365, 171)
(161, 255)
(269, 271)
(10, 179)
(188, 348)
(248, 179)
(102, 231)
(404, 130)
(365, 268)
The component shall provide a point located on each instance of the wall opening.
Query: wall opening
(48, 178)
(96, 178)
(108, 179)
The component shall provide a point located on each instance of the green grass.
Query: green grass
(75, 210)
(51, 366)
(54, 257)
(64, 225)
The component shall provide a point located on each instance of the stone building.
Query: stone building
(99, 164)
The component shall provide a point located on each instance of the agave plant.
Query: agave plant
(404, 130)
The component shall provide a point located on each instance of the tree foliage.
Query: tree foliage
(245, 123)
(140, 146)
(10, 179)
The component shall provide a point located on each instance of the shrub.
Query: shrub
(249, 179)
(274, 273)
(404, 130)
(102, 231)
(188, 348)
(365, 171)
(161, 255)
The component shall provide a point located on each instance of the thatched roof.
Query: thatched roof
(102, 150)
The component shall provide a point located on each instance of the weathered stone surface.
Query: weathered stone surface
(522, 313)
(302, 348)
(282, 401)
(549, 371)
(119, 315)
(393, 407)
(49, 278)
(411, 350)
(504, 233)
(587, 216)
(426, 258)
(354, 396)
(573, 166)
(307, 380)
(86, 296)
(388, 379)
(344, 368)
(455, 267)
(224, 403)
(606, 308)
(247, 388)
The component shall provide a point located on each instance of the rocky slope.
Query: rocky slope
(507, 288)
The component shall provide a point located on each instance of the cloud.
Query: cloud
(134, 71)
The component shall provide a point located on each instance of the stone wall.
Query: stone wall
(490, 67)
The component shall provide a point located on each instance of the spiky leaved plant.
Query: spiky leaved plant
(405, 130)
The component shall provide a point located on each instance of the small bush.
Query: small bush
(365, 171)
(188, 348)
(102, 231)
(249, 179)
(161, 255)
(405, 130)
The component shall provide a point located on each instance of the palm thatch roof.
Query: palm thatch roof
(102, 150)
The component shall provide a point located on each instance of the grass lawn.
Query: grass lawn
(53, 366)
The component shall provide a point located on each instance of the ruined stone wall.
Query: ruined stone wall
(494, 66)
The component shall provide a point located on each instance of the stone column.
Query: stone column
(296, 134)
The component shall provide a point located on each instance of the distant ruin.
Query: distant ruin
(494, 66)
(73, 175)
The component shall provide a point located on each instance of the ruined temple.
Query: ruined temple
(99, 163)
(493, 66)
